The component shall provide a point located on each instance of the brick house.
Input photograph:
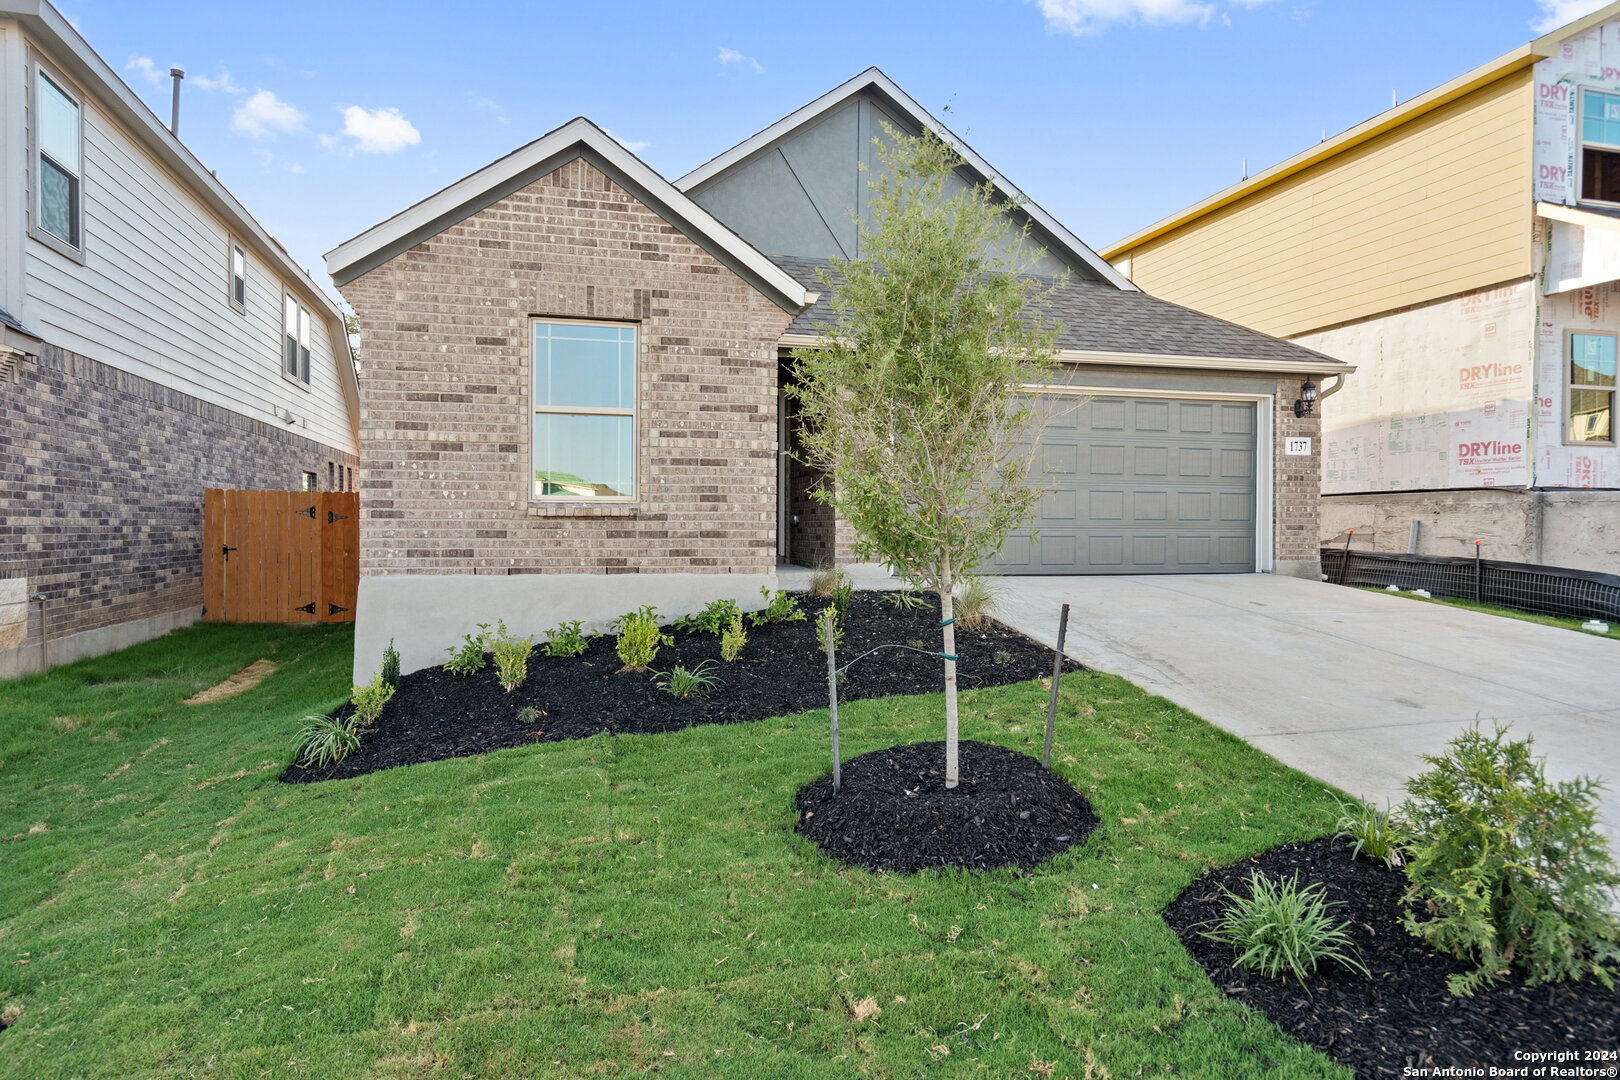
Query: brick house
(154, 341)
(574, 396)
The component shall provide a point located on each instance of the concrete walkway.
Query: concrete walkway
(1346, 685)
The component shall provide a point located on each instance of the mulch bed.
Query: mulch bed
(436, 715)
(1403, 1015)
(893, 812)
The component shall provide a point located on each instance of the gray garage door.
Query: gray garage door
(1142, 485)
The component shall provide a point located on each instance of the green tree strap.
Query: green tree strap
(946, 622)
(946, 656)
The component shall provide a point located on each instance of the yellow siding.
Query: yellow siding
(1432, 208)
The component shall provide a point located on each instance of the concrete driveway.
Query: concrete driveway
(1346, 685)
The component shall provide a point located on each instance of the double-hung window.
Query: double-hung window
(1600, 146)
(237, 286)
(59, 174)
(1591, 388)
(295, 340)
(584, 410)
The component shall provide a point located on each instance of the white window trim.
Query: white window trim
(1580, 155)
(1570, 386)
(634, 412)
(281, 340)
(232, 246)
(38, 69)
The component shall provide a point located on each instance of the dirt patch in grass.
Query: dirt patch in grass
(242, 681)
(893, 811)
(436, 715)
(1403, 1015)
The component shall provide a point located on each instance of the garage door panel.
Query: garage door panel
(1142, 485)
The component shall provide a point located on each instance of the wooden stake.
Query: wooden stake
(832, 694)
(1057, 670)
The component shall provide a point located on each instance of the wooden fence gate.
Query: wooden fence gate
(280, 556)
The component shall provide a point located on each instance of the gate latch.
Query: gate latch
(226, 550)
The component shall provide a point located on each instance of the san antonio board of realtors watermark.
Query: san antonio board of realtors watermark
(1532, 1063)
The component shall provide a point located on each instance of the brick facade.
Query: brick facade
(102, 476)
(445, 406)
(1297, 480)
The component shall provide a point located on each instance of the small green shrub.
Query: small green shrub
(325, 740)
(1512, 867)
(1375, 833)
(639, 637)
(690, 684)
(842, 596)
(975, 603)
(567, 639)
(1280, 928)
(734, 638)
(390, 665)
(468, 657)
(1002, 656)
(511, 656)
(825, 580)
(821, 633)
(906, 599)
(369, 699)
(528, 715)
(780, 606)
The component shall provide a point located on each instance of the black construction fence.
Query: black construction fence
(1543, 590)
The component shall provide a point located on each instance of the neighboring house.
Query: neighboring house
(1463, 249)
(574, 390)
(157, 342)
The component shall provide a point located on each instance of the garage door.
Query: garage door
(1142, 485)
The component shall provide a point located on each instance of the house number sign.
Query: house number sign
(1297, 447)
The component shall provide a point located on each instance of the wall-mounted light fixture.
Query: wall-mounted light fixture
(1306, 399)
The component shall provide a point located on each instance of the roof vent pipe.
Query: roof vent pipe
(174, 111)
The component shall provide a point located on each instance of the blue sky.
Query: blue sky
(324, 118)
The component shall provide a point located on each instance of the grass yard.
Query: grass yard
(1506, 612)
(596, 908)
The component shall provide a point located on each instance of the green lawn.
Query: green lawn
(597, 908)
(1506, 612)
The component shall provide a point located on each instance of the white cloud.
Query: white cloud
(222, 82)
(376, 131)
(493, 108)
(1556, 13)
(1090, 16)
(730, 57)
(263, 114)
(635, 146)
(143, 66)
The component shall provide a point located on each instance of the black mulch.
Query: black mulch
(1402, 1016)
(436, 715)
(893, 812)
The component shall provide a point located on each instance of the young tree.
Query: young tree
(912, 402)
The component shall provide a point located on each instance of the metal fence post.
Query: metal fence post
(1478, 587)
(1057, 670)
(1344, 564)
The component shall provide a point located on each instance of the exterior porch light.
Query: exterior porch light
(1307, 398)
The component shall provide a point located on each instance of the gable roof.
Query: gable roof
(112, 95)
(577, 138)
(1507, 64)
(1105, 325)
(874, 81)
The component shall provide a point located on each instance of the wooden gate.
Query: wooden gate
(280, 556)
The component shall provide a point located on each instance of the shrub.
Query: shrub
(734, 638)
(906, 599)
(976, 602)
(690, 684)
(325, 740)
(528, 715)
(716, 616)
(842, 596)
(567, 639)
(1513, 868)
(825, 580)
(1280, 928)
(390, 666)
(468, 657)
(779, 607)
(369, 699)
(1376, 833)
(639, 637)
(511, 656)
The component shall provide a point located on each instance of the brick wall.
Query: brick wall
(101, 487)
(446, 418)
(1296, 506)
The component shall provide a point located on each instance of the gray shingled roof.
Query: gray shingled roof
(1097, 316)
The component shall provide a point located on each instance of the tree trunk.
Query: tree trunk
(946, 607)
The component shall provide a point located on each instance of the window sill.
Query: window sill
(300, 383)
(57, 244)
(583, 510)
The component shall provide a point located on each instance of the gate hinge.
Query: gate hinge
(308, 609)
(331, 517)
(333, 609)
(310, 513)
